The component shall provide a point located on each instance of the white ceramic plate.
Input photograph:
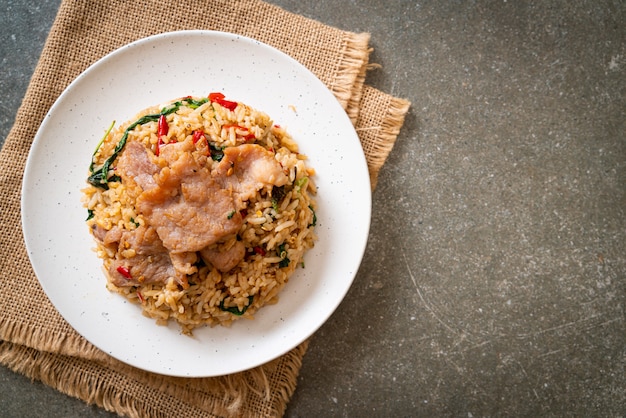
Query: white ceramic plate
(152, 71)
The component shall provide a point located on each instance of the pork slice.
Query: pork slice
(188, 208)
(192, 208)
(150, 264)
(247, 168)
(184, 263)
(135, 165)
(107, 237)
(224, 260)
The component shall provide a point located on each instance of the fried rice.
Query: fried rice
(201, 209)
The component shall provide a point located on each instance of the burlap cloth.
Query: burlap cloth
(35, 340)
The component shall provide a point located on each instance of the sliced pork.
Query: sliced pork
(191, 208)
(107, 237)
(224, 259)
(150, 264)
(135, 165)
(248, 168)
(188, 208)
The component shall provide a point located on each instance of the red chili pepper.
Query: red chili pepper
(197, 135)
(216, 96)
(219, 99)
(163, 127)
(259, 250)
(157, 150)
(162, 130)
(124, 272)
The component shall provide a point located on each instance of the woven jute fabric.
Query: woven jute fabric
(34, 339)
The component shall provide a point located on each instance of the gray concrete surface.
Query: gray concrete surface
(493, 281)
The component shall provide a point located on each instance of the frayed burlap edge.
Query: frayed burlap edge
(351, 72)
(379, 121)
(45, 340)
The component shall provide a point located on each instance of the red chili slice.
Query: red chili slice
(197, 135)
(162, 130)
(214, 96)
(219, 99)
(124, 272)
